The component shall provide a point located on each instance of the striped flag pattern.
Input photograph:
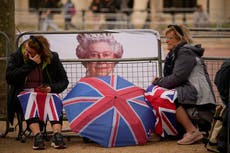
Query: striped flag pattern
(46, 106)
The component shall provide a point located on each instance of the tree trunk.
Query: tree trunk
(7, 44)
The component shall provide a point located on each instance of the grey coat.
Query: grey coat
(186, 71)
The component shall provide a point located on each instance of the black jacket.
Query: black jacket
(17, 70)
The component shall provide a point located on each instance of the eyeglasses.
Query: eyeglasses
(177, 28)
(169, 38)
(35, 40)
(106, 54)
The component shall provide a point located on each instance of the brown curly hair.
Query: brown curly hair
(42, 47)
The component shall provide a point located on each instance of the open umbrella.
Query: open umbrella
(109, 110)
(164, 108)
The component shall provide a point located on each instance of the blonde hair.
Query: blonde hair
(181, 33)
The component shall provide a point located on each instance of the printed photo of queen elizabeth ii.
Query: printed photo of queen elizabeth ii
(98, 46)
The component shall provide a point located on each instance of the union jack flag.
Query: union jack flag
(46, 106)
(164, 108)
(110, 111)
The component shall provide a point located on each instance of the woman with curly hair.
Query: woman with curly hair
(35, 66)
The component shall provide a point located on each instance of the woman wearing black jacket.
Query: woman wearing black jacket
(33, 65)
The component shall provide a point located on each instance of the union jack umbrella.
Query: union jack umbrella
(110, 111)
(46, 106)
(164, 108)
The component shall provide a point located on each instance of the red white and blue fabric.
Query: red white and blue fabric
(164, 108)
(110, 111)
(46, 106)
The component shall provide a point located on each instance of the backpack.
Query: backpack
(71, 10)
(216, 139)
(202, 116)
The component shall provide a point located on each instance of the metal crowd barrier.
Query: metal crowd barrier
(83, 19)
(139, 71)
(213, 65)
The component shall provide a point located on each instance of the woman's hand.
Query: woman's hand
(44, 88)
(154, 79)
(36, 58)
